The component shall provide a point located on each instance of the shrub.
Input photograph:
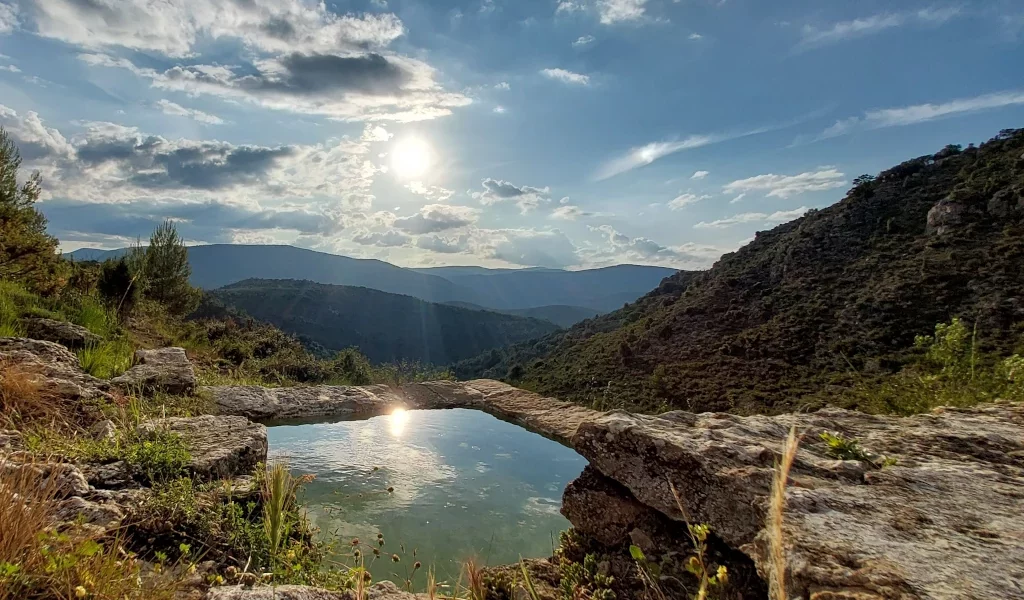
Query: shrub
(159, 455)
(117, 286)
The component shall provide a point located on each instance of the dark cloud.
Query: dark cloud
(437, 217)
(157, 163)
(204, 222)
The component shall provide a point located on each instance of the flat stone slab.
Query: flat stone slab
(946, 521)
(162, 370)
(60, 332)
(384, 590)
(221, 447)
(549, 417)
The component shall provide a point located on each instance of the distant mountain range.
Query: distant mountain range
(559, 314)
(385, 327)
(597, 290)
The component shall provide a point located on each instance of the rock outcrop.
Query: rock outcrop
(54, 366)
(161, 370)
(221, 447)
(945, 521)
(60, 332)
(546, 416)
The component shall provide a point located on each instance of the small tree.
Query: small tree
(27, 252)
(167, 271)
(117, 285)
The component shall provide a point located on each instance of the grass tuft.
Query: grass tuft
(107, 359)
(776, 510)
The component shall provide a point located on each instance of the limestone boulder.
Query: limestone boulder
(162, 370)
(54, 367)
(945, 521)
(66, 334)
(220, 447)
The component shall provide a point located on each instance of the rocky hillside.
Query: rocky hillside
(834, 296)
(385, 327)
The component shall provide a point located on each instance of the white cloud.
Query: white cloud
(845, 30)
(526, 197)
(780, 216)
(499, 109)
(683, 200)
(738, 198)
(10, 68)
(700, 175)
(387, 239)
(622, 248)
(784, 186)
(919, 113)
(433, 193)
(529, 247)
(617, 11)
(569, 6)
(566, 76)
(583, 40)
(170, 108)
(8, 17)
(569, 212)
(696, 36)
(375, 133)
(503, 85)
(175, 27)
(647, 154)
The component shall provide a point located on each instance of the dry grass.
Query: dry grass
(476, 586)
(37, 562)
(23, 398)
(776, 510)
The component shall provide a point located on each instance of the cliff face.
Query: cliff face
(839, 290)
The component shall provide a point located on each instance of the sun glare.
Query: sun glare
(398, 417)
(411, 158)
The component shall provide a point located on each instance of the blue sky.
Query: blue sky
(559, 133)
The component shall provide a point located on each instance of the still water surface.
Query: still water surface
(465, 484)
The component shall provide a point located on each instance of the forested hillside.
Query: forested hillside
(384, 327)
(813, 307)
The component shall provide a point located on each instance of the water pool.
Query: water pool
(463, 484)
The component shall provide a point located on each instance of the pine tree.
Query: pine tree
(27, 252)
(167, 271)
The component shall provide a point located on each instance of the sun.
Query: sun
(411, 158)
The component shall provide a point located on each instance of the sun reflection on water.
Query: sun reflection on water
(398, 420)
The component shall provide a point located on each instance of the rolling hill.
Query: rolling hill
(604, 289)
(807, 308)
(559, 314)
(385, 327)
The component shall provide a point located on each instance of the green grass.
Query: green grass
(107, 359)
(95, 317)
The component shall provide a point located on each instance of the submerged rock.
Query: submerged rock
(384, 590)
(161, 370)
(220, 447)
(60, 332)
(945, 521)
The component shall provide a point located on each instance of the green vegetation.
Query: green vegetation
(385, 327)
(107, 359)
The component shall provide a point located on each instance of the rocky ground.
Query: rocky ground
(921, 507)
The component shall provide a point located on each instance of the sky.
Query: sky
(502, 133)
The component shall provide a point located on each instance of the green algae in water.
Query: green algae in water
(464, 484)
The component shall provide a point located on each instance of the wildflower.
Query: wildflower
(722, 575)
(376, 552)
(81, 592)
(356, 553)
(367, 576)
(355, 541)
(192, 569)
(380, 542)
(380, 536)
(416, 565)
(394, 558)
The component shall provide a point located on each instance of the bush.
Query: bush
(159, 455)
(167, 271)
(117, 286)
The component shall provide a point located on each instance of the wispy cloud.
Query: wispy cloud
(566, 76)
(685, 200)
(617, 11)
(177, 110)
(583, 40)
(918, 113)
(865, 26)
(780, 216)
(784, 186)
(699, 175)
